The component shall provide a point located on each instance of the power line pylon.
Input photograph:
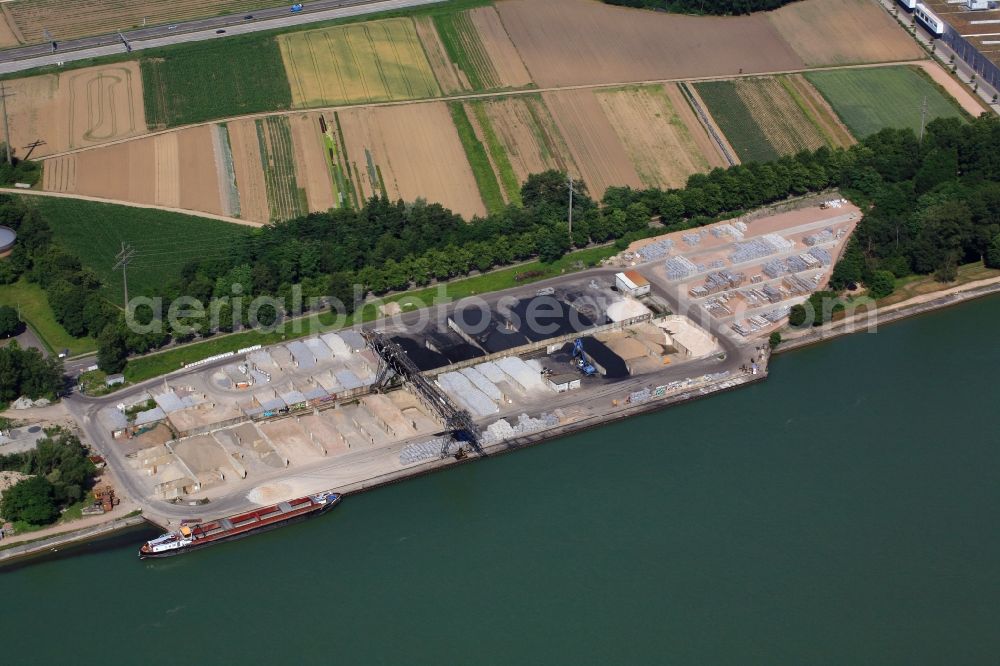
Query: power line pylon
(122, 260)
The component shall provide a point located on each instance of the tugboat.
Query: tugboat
(199, 535)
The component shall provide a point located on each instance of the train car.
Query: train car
(908, 5)
(929, 20)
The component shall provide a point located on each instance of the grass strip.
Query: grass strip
(489, 189)
(499, 154)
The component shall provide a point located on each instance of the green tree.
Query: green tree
(10, 323)
(992, 258)
(112, 352)
(31, 500)
(774, 340)
(881, 284)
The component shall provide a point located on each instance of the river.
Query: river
(842, 512)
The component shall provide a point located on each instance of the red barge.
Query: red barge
(199, 535)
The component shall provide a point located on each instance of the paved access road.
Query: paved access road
(28, 57)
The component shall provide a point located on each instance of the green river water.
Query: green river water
(843, 512)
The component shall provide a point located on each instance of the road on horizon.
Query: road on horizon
(38, 55)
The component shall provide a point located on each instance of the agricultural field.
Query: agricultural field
(660, 133)
(593, 142)
(372, 61)
(523, 129)
(67, 20)
(284, 196)
(480, 53)
(177, 170)
(8, 37)
(485, 163)
(163, 241)
(310, 163)
(842, 32)
(868, 100)
(248, 170)
(410, 152)
(203, 81)
(76, 109)
(765, 118)
(578, 42)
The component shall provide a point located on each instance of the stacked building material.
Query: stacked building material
(772, 294)
(461, 390)
(438, 447)
(483, 384)
(655, 250)
(679, 268)
(775, 268)
(822, 255)
(522, 374)
(525, 425)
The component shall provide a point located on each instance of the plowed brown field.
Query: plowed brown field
(8, 37)
(65, 19)
(76, 109)
(573, 42)
(418, 151)
(448, 76)
(311, 171)
(249, 170)
(529, 135)
(199, 173)
(836, 32)
(176, 170)
(510, 69)
(661, 134)
(596, 148)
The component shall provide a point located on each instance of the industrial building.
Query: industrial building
(971, 28)
(632, 283)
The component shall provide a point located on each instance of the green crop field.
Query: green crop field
(736, 122)
(869, 100)
(163, 241)
(277, 154)
(475, 151)
(213, 79)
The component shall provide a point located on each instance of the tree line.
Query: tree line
(718, 7)
(928, 206)
(25, 372)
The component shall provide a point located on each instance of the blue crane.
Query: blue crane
(582, 361)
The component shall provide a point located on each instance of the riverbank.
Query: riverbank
(45, 545)
(868, 320)
(619, 408)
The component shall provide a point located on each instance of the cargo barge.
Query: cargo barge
(199, 535)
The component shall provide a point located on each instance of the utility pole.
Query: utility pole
(571, 209)
(6, 125)
(923, 118)
(122, 260)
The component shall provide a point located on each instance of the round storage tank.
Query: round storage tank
(7, 238)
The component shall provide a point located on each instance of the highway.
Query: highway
(38, 55)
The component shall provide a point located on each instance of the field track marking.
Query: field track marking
(495, 94)
(131, 204)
